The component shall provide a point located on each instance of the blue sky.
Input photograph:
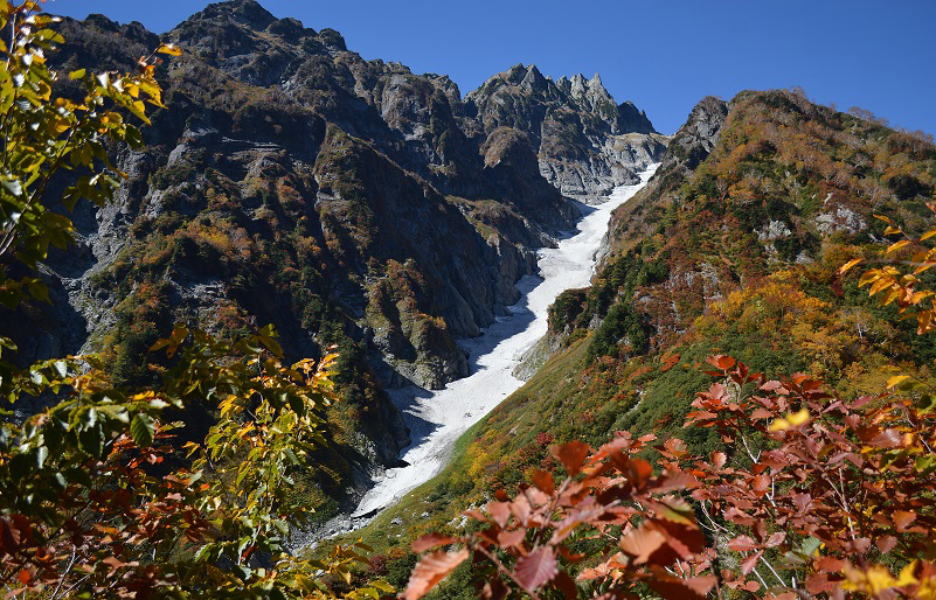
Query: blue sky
(664, 55)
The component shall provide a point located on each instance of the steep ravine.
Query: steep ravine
(438, 418)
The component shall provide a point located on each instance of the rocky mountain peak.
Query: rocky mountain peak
(246, 12)
(528, 77)
(573, 124)
(698, 136)
(534, 80)
(332, 39)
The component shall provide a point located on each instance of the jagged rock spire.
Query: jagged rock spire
(248, 12)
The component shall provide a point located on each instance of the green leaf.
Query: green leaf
(91, 441)
(142, 429)
(78, 74)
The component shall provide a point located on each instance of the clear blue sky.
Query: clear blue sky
(662, 54)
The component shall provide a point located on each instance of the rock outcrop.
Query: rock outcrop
(586, 143)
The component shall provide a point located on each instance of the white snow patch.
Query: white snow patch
(437, 419)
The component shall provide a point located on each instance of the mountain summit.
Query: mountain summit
(586, 143)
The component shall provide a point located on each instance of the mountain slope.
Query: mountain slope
(733, 248)
(292, 182)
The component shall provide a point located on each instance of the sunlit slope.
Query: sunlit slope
(733, 247)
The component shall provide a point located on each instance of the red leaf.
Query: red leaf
(721, 362)
(679, 480)
(886, 543)
(820, 583)
(114, 563)
(718, 459)
(536, 569)
(742, 543)
(760, 484)
(641, 543)
(577, 517)
(507, 539)
(776, 539)
(566, 585)
(802, 501)
(544, 481)
(430, 541)
(829, 564)
(889, 438)
(430, 570)
(521, 509)
(676, 447)
(500, 512)
(476, 514)
(639, 472)
(771, 385)
(571, 455)
(903, 518)
(674, 588)
(750, 562)
(682, 539)
(761, 413)
(24, 576)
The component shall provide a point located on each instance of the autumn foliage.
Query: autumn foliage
(900, 280)
(815, 496)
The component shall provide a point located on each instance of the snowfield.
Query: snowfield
(437, 419)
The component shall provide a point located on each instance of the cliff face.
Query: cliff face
(586, 143)
(346, 201)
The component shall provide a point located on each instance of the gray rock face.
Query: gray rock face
(841, 219)
(586, 143)
(696, 139)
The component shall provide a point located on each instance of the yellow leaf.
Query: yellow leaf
(891, 230)
(896, 380)
(798, 418)
(928, 235)
(897, 246)
(893, 295)
(879, 579)
(791, 420)
(849, 265)
(866, 278)
(170, 49)
(906, 575)
(881, 284)
(883, 218)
